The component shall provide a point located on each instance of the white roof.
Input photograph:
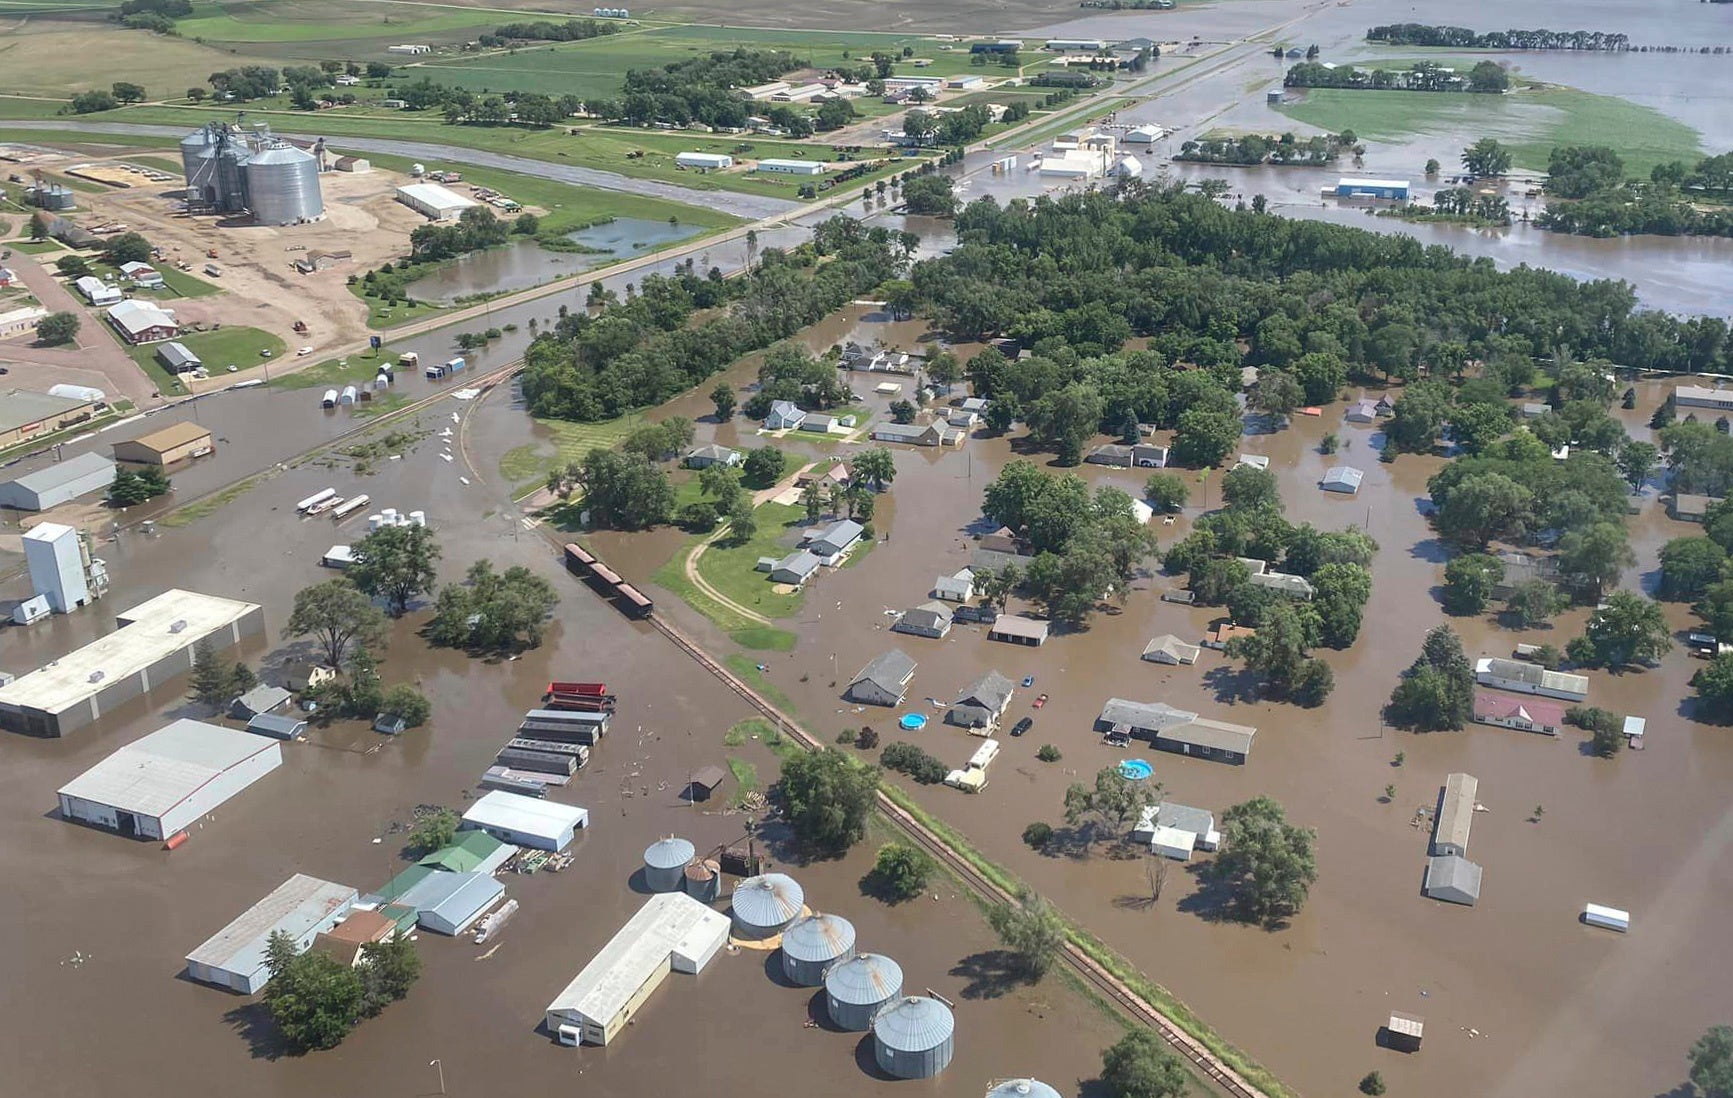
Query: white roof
(136, 316)
(150, 776)
(1172, 838)
(669, 923)
(525, 815)
(148, 636)
(1356, 181)
(294, 907)
(432, 194)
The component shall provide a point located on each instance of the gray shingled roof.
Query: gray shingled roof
(889, 669)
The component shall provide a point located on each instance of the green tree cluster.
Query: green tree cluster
(395, 563)
(1268, 864)
(131, 488)
(1437, 690)
(826, 798)
(494, 612)
(216, 683)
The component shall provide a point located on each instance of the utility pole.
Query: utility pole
(441, 1066)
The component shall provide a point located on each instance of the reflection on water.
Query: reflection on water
(524, 263)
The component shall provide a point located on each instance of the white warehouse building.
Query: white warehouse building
(525, 821)
(302, 907)
(159, 785)
(708, 161)
(433, 201)
(794, 167)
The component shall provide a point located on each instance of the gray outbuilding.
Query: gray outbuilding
(810, 946)
(763, 906)
(856, 989)
(1343, 478)
(914, 1038)
(665, 862)
(1453, 879)
(58, 483)
(884, 681)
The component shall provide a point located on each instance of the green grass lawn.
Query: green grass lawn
(36, 247)
(216, 350)
(176, 283)
(381, 315)
(332, 374)
(328, 20)
(527, 466)
(730, 567)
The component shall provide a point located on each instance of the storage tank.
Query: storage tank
(665, 862)
(198, 161)
(283, 186)
(348, 396)
(704, 881)
(914, 1038)
(230, 180)
(811, 945)
(1022, 1088)
(764, 905)
(53, 197)
(857, 988)
(418, 518)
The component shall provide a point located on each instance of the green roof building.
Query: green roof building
(472, 852)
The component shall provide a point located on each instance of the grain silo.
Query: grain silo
(704, 881)
(665, 862)
(914, 1038)
(230, 179)
(283, 186)
(1022, 1088)
(198, 161)
(813, 944)
(765, 904)
(857, 988)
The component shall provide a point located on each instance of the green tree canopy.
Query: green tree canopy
(395, 563)
(337, 615)
(1268, 863)
(1139, 1065)
(826, 798)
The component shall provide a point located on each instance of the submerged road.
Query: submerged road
(752, 207)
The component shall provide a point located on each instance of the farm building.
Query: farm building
(1455, 815)
(153, 645)
(59, 483)
(177, 358)
(1168, 648)
(160, 784)
(982, 702)
(434, 202)
(451, 903)
(470, 852)
(1453, 879)
(671, 932)
(704, 161)
(914, 1038)
(1176, 730)
(25, 414)
(856, 989)
(929, 619)
(525, 821)
(884, 681)
(302, 907)
(172, 444)
(346, 940)
(1530, 678)
(793, 167)
(1524, 714)
(278, 726)
(811, 945)
(1013, 629)
(1393, 189)
(1343, 478)
(141, 322)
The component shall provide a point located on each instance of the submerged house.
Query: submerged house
(1176, 730)
(884, 681)
(929, 619)
(982, 702)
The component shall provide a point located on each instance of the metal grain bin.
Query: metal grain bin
(1022, 1088)
(230, 180)
(764, 905)
(914, 1038)
(857, 988)
(704, 881)
(811, 945)
(283, 186)
(665, 862)
(198, 161)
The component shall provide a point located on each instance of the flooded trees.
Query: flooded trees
(1469, 581)
(315, 999)
(900, 872)
(216, 683)
(877, 467)
(1714, 686)
(1689, 566)
(625, 491)
(1534, 602)
(1267, 863)
(1115, 802)
(1630, 629)
(1437, 690)
(1486, 157)
(1138, 1065)
(1277, 654)
(395, 563)
(337, 615)
(826, 798)
(1166, 492)
(1712, 1063)
(1033, 932)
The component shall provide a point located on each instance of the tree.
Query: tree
(1246, 486)
(930, 195)
(826, 798)
(388, 970)
(900, 872)
(1276, 393)
(1689, 566)
(742, 520)
(125, 92)
(1535, 602)
(1712, 1063)
(404, 700)
(812, 500)
(1469, 581)
(1268, 863)
(493, 611)
(1166, 491)
(721, 483)
(336, 614)
(1636, 462)
(1631, 629)
(1437, 690)
(1484, 506)
(395, 563)
(72, 266)
(1203, 438)
(723, 397)
(1715, 607)
(57, 328)
(1714, 686)
(1420, 414)
(1432, 167)
(1598, 554)
(1486, 157)
(1373, 1083)
(129, 488)
(212, 681)
(1138, 1065)
(876, 466)
(1031, 930)
(626, 491)
(314, 999)
(1116, 801)
(1313, 685)
(362, 693)
(127, 248)
(196, 94)
(1277, 651)
(902, 412)
(763, 467)
(1340, 594)
(434, 831)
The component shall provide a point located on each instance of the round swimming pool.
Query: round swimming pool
(912, 722)
(1136, 770)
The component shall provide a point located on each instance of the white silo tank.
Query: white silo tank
(374, 522)
(418, 518)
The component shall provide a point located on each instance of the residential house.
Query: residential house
(1520, 568)
(705, 456)
(1530, 678)
(983, 561)
(1112, 454)
(1176, 730)
(884, 681)
(1001, 540)
(8, 277)
(23, 319)
(796, 568)
(1015, 629)
(96, 291)
(260, 699)
(962, 420)
(1147, 455)
(1687, 507)
(1295, 587)
(1524, 714)
(1343, 478)
(1363, 411)
(929, 619)
(982, 702)
(836, 475)
(784, 416)
(983, 613)
(833, 542)
(1168, 648)
(978, 405)
(958, 587)
(302, 675)
(1225, 632)
(140, 322)
(142, 274)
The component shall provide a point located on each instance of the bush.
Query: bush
(1048, 753)
(1603, 725)
(867, 740)
(845, 738)
(1037, 835)
(407, 702)
(1372, 1084)
(900, 872)
(698, 518)
(906, 758)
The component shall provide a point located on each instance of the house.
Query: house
(929, 619)
(8, 277)
(1530, 678)
(784, 416)
(884, 681)
(1295, 587)
(1254, 461)
(20, 320)
(1691, 508)
(1015, 629)
(1225, 632)
(1343, 478)
(96, 291)
(176, 356)
(705, 456)
(1001, 540)
(1453, 879)
(835, 540)
(959, 587)
(836, 475)
(1168, 648)
(1697, 396)
(260, 699)
(985, 614)
(796, 568)
(1111, 454)
(142, 274)
(1524, 714)
(1195, 825)
(1532, 410)
(1455, 817)
(1519, 568)
(932, 434)
(982, 702)
(1183, 598)
(819, 423)
(962, 420)
(1176, 730)
(303, 675)
(141, 322)
(978, 405)
(1363, 411)
(1147, 455)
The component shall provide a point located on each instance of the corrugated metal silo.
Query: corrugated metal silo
(914, 1038)
(1022, 1088)
(765, 904)
(230, 179)
(704, 881)
(813, 944)
(195, 163)
(283, 186)
(857, 988)
(665, 862)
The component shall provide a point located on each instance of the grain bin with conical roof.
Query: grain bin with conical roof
(283, 186)
(914, 1038)
(764, 905)
(1022, 1088)
(665, 863)
(813, 944)
(704, 881)
(855, 989)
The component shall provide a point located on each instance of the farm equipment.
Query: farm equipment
(300, 326)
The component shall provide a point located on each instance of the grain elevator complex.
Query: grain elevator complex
(230, 170)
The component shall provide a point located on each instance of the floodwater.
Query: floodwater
(108, 920)
(524, 263)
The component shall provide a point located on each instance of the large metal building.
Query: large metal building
(160, 784)
(764, 905)
(1022, 1088)
(56, 484)
(914, 1038)
(302, 907)
(810, 946)
(856, 989)
(283, 186)
(665, 863)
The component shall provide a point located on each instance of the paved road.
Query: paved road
(97, 360)
(752, 207)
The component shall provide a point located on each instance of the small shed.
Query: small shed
(260, 699)
(1172, 842)
(704, 782)
(1014, 629)
(278, 726)
(1343, 478)
(1404, 1031)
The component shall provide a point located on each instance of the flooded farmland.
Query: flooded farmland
(525, 263)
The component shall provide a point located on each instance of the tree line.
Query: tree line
(1487, 77)
(544, 30)
(1596, 198)
(700, 89)
(1266, 149)
(1421, 34)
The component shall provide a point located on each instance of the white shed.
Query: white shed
(703, 160)
(525, 821)
(1172, 842)
(161, 784)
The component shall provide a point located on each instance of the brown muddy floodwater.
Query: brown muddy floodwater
(1520, 998)
(132, 911)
